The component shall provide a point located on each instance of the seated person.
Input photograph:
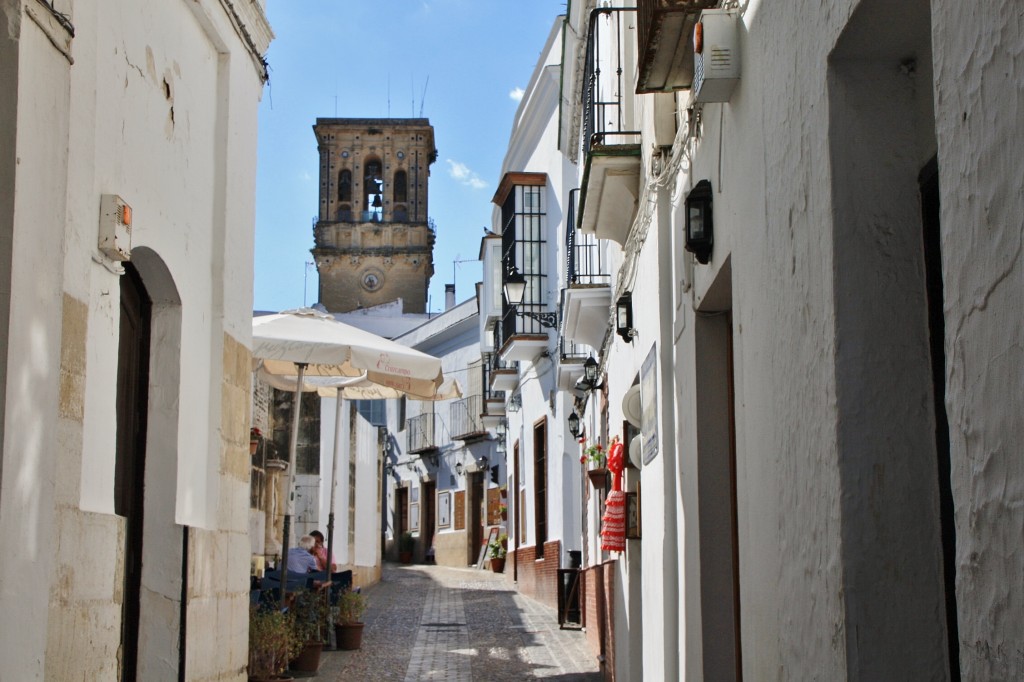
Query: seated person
(301, 559)
(320, 552)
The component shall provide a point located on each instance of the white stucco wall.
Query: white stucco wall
(978, 100)
(768, 156)
(103, 125)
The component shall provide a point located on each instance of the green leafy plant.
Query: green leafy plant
(272, 641)
(351, 607)
(594, 455)
(310, 616)
(497, 547)
(406, 542)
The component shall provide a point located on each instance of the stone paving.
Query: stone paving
(461, 624)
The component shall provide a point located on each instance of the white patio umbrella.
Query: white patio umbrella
(295, 343)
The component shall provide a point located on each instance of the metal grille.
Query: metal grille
(421, 432)
(465, 416)
(524, 247)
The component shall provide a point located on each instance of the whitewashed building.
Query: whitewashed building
(829, 360)
(444, 470)
(127, 179)
(529, 371)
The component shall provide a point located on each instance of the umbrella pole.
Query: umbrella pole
(334, 482)
(289, 508)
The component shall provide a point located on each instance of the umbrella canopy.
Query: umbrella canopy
(330, 348)
(354, 388)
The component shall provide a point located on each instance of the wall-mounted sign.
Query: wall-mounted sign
(649, 403)
(444, 509)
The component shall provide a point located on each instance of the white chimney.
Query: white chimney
(449, 296)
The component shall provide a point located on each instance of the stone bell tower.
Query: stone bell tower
(373, 241)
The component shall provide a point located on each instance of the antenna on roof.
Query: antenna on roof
(424, 95)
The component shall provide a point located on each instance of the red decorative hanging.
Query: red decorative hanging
(613, 523)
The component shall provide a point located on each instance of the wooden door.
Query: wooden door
(130, 465)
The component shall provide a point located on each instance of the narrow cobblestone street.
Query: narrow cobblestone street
(441, 623)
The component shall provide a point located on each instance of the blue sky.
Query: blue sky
(347, 58)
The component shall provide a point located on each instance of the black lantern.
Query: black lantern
(590, 370)
(515, 291)
(515, 287)
(574, 424)
(624, 317)
(700, 232)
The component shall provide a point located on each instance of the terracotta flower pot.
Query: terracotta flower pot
(598, 477)
(405, 557)
(349, 636)
(498, 565)
(308, 659)
(253, 445)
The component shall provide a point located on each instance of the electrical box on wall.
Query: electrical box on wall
(115, 227)
(716, 50)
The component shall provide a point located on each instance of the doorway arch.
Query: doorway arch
(154, 607)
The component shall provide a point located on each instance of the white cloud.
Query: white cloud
(463, 174)
(516, 94)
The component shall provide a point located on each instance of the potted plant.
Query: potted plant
(348, 626)
(310, 618)
(272, 643)
(405, 547)
(596, 459)
(503, 511)
(254, 440)
(497, 553)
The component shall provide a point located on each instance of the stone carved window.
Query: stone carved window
(400, 187)
(345, 185)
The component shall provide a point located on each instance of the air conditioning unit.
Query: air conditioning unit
(716, 48)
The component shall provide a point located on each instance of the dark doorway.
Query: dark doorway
(401, 513)
(130, 466)
(540, 486)
(429, 502)
(929, 182)
(717, 499)
(475, 483)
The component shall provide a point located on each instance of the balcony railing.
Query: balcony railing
(584, 261)
(493, 361)
(421, 433)
(603, 110)
(571, 351)
(465, 417)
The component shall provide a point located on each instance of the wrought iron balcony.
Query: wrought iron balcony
(611, 175)
(421, 433)
(466, 418)
(584, 260)
(603, 109)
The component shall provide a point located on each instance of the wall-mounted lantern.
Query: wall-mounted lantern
(459, 468)
(700, 231)
(624, 317)
(574, 424)
(589, 380)
(515, 291)
(515, 403)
